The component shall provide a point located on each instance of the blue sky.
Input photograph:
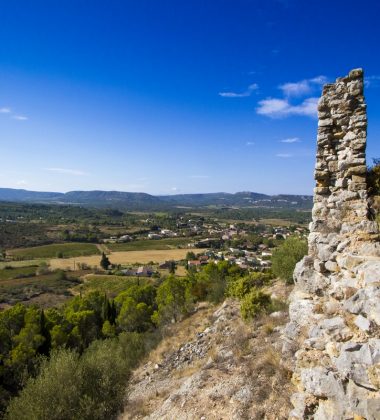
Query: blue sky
(175, 96)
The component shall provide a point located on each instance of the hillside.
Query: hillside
(214, 365)
(143, 201)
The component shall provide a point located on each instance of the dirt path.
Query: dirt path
(103, 248)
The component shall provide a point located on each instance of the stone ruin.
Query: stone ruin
(332, 341)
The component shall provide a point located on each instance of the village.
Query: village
(249, 245)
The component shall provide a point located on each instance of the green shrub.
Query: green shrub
(286, 256)
(373, 178)
(241, 286)
(254, 303)
(88, 387)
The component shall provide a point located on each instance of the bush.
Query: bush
(286, 256)
(241, 286)
(88, 387)
(373, 178)
(254, 303)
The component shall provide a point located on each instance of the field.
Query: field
(16, 273)
(66, 250)
(24, 289)
(125, 258)
(21, 263)
(149, 244)
(110, 284)
(280, 222)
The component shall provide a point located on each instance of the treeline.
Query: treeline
(67, 355)
(292, 215)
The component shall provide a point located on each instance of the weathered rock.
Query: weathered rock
(335, 306)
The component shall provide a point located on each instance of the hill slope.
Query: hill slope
(144, 201)
(215, 366)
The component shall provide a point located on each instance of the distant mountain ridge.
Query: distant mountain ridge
(138, 201)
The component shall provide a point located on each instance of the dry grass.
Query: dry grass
(124, 258)
(178, 334)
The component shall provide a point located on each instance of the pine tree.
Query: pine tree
(105, 262)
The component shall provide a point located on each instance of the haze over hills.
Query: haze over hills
(137, 201)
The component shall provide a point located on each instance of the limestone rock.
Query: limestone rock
(335, 306)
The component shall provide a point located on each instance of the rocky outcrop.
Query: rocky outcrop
(333, 336)
(213, 366)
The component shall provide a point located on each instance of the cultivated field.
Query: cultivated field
(124, 258)
(65, 250)
(110, 284)
(23, 289)
(21, 263)
(17, 272)
(149, 244)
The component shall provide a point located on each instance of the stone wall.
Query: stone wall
(333, 338)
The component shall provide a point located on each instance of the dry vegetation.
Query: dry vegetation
(213, 365)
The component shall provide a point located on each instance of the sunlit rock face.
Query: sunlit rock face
(332, 341)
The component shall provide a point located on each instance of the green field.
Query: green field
(21, 263)
(18, 272)
(110, 284)
(66, 250)
(150, 244)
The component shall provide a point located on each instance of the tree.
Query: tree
(190, 256)
(104, 262)
(173, 300)
(172, 267)
(134, 316)
(286, 256)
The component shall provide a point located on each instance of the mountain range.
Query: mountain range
(144, 201)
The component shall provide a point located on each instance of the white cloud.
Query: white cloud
(280, 108)
(248, 92)
(21, 182)
(284, 155)
(66, 171)
(20, 117)
(372, 81)
(290, 140)
(199, 176)
(5, 110)
(250, 143)
(303, 87)
(174, 189)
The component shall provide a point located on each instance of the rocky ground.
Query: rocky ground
(213, 365)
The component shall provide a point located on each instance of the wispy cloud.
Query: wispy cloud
(284, 155)
(303, 87)
(290, 140)
(66, 171)
(248, 92)
(199, 176)
(20, 117)
(21, 182)
(250, 143)
(372, 81)
(280, 108)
